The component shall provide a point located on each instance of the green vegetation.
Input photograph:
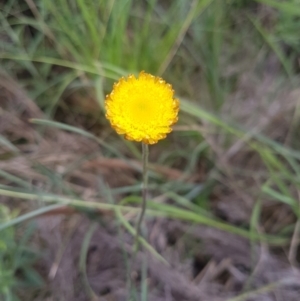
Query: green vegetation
(235, 68)
(16, 260)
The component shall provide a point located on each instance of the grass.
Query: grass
(16, 258)
(67, 59)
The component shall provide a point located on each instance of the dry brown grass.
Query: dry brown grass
(205, 263)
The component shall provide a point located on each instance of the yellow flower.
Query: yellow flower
(143, 108)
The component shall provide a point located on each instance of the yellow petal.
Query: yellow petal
(142, 108)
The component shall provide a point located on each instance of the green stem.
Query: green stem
(140, 220)
(144, 195)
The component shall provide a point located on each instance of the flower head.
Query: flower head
(142, 108)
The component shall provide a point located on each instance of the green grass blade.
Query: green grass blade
(146, 245)
(278, 196)
(8, 144)
(76, 130)
(158, 210)
(14, 179)
(285, 6)
(62, 63)
(30, 215)
(83, 260)
(273, 45)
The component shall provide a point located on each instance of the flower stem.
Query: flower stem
(144, 195)
(140, 220)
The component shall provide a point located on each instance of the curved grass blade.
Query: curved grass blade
(157, 210)
(30, 215)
